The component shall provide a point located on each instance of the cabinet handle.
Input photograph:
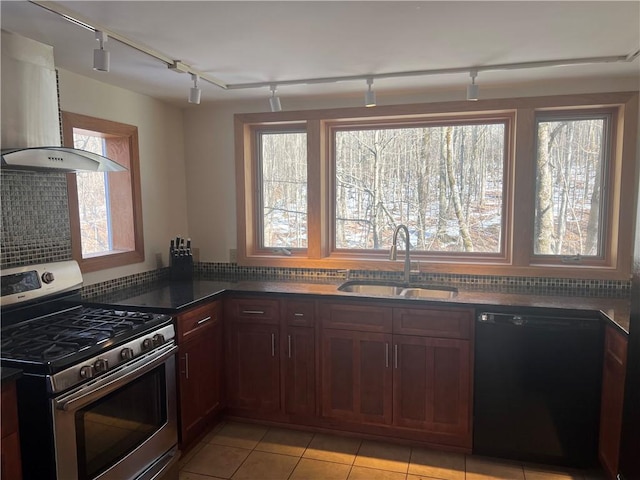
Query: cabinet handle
(253, 312)
(298, 314)
(205, 319)
(186, 365)
(273, 344)
(289, 343)
(386, 355)
(395, 355)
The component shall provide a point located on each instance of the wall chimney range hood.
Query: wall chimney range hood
(31, 116)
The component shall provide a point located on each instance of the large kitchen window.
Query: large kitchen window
(105, 209)
(530, 187)
(445, 182)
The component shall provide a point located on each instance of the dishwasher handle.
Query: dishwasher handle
(502, 318)
(540, 321)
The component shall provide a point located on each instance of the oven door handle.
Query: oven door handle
(90, 392)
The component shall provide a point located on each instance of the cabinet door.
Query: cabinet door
(431, 384)
(254, 367)
(300, 371)
(200, 382)
(357, 376)
(613, 377)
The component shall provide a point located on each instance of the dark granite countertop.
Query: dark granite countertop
(176, 296)
(10, 374)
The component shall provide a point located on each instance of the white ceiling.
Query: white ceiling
(263, 41)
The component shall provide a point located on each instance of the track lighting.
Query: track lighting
(274, 102)
(472, 88)
(100, 55)
(194, 93)
(370, 95)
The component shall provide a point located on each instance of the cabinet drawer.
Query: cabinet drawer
(253, 309)
(433, 322)
(356, 316)
(9, 409)
(300, 313)
(198, 319)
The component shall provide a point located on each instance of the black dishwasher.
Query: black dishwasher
(537, 388)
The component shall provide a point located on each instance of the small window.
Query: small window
(283, 190)
(445, 182)
(105, 210)
(571, 176)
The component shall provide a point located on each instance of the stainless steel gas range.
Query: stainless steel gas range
(98, 396)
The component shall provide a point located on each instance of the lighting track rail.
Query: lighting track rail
(180, 66)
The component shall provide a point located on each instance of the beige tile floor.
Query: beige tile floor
(242, 451)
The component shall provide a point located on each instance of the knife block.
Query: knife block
(181, 267)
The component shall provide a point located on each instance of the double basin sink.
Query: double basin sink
(390, 289)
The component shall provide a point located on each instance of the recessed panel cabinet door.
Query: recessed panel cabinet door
(200, 381)
(357, 376)
(431, 384)
(300, 371)
(254, 367)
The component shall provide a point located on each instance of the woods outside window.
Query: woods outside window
(105, 208)
(534, 186)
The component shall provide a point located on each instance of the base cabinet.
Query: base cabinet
(613, 378)
(300, 371)
(200, 367)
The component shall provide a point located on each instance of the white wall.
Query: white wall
(161, 142)
(209, 147)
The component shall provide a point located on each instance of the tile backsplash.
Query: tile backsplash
(35, 218)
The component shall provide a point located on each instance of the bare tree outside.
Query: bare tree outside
(444, 182)
(569, 173)
(92, 201)
(284, 189)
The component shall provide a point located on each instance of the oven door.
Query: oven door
(122, 425)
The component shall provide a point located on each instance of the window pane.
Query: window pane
(444, 182)
(283, 170)
(570, 163)
(93, 195)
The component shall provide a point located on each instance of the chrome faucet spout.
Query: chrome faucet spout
(393, 254)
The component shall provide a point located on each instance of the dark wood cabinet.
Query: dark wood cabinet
(253, 351)
(613, 378)
(405, 368)
(299, 358)
(431, 384)
(357, 376)
(10, 463)
(200, 367)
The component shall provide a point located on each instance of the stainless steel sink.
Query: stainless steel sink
(430, 292)
(395, 290)
(371, 289)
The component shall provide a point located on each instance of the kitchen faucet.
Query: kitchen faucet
(393, 254)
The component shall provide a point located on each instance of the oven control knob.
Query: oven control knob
(147, 344)
(86, 371)
(47, 277)
(101, 365)
(158, 339)
(126, 353)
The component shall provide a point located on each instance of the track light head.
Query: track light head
(274, 102)
(195, 92)
(101, 57)
(472, 88)
(370, 95)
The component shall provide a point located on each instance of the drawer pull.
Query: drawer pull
(205, 319)
(298, 314)
(253, 312)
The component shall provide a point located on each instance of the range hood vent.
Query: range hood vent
(31, 136)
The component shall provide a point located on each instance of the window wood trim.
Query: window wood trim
(122, 145)
(520, 211)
